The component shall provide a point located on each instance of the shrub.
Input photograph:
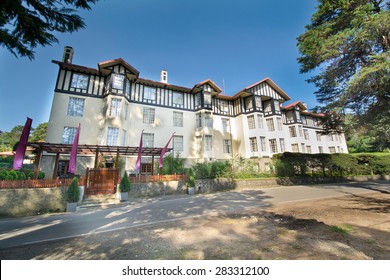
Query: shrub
(30, 175)
(3, 174)
(190, 182)
(12, 175)
(125, 185)
(73, 191)
(41, 175)
(21, 175)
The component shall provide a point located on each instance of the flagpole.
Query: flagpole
(138, 163)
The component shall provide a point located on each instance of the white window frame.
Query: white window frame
(148, 115)
(253, 144)
(225, 125)
(273, 145)
(75, 107)
(118, 81)
(208, 143)
(112, 136)
(178, 99)
(148, 140)
(68, 135)
(115, 107)
(178, 143)
(150, 94)
(178, 119)
(227, 146)
(270, 124)
(251, 122)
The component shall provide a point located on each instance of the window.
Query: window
(123, 142)
(115, 107)
(208, 143)
(260, 121)
(150, 94)
(198, 102)
(300, 131)
(267, 107)
(68, 135)
(320, 149)
(75, 107)
(308, 149)
(208, 120)
(224, 106)
(248, 103)
(293, 131)
(207, 99)
(178, 99)
(258, 102)
(225, 125)
(112, 136)
(277, 106)
(290, 116)
(79, 81)
(279, 122)
(253, 144)
(332, 150)
(295, 148)
(148, 116)
(270, 124)
(303, 147)
(207, 88)
(117, 81)
(148, 140)
(318, 134)
(262, 144)
(227, 146)
(282, 145)
(128, 88)
(273, 146)
(178, 143)
(251, 122)
(198, 120)
(178, 119)
(306, 134)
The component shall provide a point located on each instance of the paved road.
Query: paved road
(22, 231)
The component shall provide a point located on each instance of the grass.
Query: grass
(343, 229)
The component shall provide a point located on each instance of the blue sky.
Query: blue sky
(239, 42)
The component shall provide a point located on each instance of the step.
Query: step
(99, 201)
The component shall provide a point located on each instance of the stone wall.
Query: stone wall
(25, 202)
(157, 189)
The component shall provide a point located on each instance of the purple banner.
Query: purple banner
(138, 163)
(73, 153)
(164, 150)
(21, 149)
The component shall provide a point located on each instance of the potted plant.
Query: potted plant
(124, 188)
(72, 195)
(190, 182)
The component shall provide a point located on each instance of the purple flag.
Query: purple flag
(138, 163)
(21, 149)
(73, 153)
(164, 150)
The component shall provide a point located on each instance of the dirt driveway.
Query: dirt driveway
(348, 227)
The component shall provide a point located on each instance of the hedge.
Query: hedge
(297, 164)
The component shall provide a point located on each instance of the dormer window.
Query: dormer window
(207, 99)
(117, 81)
(207, 88)
(248, 103)
(224, 106)
(79, 81)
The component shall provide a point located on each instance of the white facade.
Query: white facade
(113, 105)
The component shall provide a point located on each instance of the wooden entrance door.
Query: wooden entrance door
(102, 181)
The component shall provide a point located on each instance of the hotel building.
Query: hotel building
(113, 105)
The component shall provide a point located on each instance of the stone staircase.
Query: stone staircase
(99, 201)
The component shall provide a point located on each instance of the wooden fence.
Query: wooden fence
(54, 183)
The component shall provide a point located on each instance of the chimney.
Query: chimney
(304, 104)
(164, 76)
(68, 55)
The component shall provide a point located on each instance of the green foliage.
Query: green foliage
(3, 174)
(13, 174)
(125, 185)
(41, 175)
(30, 175)
(26, 24)
(39, 133)
(21, 175)
(172, 164)
(296, 164)
(215, 169)
(347, 45)
(190, 182)
(73, 191)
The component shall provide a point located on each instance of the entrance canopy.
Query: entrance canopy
(85, 149)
